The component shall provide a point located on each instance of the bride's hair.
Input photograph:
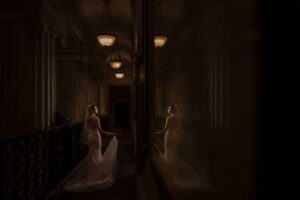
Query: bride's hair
(174, 108)
(91, 109)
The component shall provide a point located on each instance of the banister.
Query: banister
(31, 165)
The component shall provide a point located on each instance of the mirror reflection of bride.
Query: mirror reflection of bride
(95, 171)
(181, 172)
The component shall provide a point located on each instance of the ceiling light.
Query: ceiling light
(115, 60)
(119, 75)
(106, 38)
(115, 64)
(160, 40)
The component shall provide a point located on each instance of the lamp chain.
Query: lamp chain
(106, 17)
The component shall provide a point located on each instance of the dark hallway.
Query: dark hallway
(122, 115)
(120, 106)
(142, 99)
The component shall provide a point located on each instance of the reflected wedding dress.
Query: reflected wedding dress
(95, 171)
(183, 174)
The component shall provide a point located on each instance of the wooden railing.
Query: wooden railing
(33, 164)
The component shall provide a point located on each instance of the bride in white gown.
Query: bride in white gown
(181, 172)
(95, 171)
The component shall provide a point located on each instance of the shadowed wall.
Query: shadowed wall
(210, 69)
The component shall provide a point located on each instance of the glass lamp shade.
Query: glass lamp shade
(115, 64)
(160, 40)
(106, 39)
(119, 75)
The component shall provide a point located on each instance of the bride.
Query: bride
(95, 171)
(181, 172)
(171, 131)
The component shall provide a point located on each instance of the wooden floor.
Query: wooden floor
(125, 185)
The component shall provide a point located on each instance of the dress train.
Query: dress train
(94, 171)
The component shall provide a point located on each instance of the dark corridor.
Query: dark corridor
(209, 66)
(122, 115)
(120, 106)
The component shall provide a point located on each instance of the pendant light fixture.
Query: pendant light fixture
(115, 64)
(116, 60)
(106, 38)
(119, 75)
(159, 38)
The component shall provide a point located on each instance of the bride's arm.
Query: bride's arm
(165, 128)
(101, 130)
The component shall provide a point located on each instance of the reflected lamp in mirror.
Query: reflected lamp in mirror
(160, 40)
(119, 75)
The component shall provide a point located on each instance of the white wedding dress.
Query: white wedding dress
(183, 175)
(95, 171)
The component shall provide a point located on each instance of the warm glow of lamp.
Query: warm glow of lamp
(115, 64)
(160, 40)
(119, 75)
(106, 39)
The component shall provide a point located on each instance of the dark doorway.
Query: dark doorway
(122, 115)
(120, 106)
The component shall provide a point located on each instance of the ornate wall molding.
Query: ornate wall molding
(53, 19)
(70, 54)
(65, 18)
(18, 12)
(41, 13)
